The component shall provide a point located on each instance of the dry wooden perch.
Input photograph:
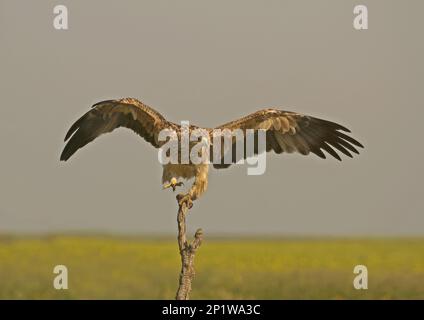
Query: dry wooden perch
(187, 252)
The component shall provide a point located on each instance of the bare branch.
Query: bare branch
(187, 252)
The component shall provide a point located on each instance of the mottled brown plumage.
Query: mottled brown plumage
(285, 132)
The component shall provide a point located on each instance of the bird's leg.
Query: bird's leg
(185, 198)
(190, 196)
(173, 184)
(198, 187)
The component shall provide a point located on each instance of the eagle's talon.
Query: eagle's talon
(185, 198)
(173, 184)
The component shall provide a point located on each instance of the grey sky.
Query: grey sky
(211, 62)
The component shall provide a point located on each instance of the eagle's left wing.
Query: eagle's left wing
(293, 132)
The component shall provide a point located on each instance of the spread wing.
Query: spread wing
(108, 115)
(293, 132)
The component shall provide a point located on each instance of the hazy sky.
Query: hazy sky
(210, 62)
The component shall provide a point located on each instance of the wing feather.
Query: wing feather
(106, 116)
(293, 132)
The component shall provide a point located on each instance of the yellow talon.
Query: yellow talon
(173, 184)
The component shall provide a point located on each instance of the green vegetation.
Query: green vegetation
(139, 268)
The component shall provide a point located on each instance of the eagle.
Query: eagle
(285, 132)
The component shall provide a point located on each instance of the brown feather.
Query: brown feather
(297, 132)
(106, 116)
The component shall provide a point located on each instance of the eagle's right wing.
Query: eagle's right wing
(108, 115)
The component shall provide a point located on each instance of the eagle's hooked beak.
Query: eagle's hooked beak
(173, 184)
